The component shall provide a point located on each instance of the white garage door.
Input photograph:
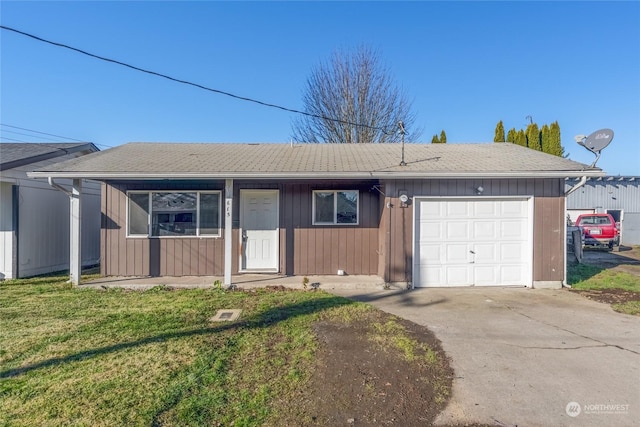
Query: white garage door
(472, 242)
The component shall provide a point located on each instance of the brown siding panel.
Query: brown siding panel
(153, 256)
(548, 239)
(380, 244)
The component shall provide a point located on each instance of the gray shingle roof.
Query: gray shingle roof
(18, 154)
(217, 160)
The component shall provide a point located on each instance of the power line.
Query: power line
(29, 135)
(12, 139)
(41, 133)
(44, 133)
(164, 76)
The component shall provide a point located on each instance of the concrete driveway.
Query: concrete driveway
(522, 356)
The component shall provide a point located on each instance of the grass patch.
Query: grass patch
(620, 289)
(628, 307)
(588, 277)
(115, 357)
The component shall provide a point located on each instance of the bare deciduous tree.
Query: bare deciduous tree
(352, 99)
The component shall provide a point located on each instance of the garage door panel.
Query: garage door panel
(458, 275)
(456, 210)
(431, 210)
(512, 252)
(510, 209)
(513, 229)
(432, 275)
(485, 275)
(431, 231)
(430, 254)
(457, 230)
(456, 253)
(485, 253)
(484, 230)
(464, 242)
(485, 209)
(511, 274)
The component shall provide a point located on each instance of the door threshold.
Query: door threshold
(260, 270)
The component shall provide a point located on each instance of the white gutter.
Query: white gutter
(312, 175)
(580, 183)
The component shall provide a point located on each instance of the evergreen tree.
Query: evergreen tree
(435, 139)
(555, 145)
(521, 138)
(443, 137)
(546, 141)
(511, 135)
(499, 133)
(533, 137)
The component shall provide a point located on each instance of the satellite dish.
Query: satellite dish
(596, 142)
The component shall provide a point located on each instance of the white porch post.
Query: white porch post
(75, 243)
(228, 229)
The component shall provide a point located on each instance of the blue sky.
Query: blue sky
(466, 65)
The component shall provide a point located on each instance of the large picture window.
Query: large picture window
(335, 207)
(173, 213)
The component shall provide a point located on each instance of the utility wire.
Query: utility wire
(41, 133)
(29, 135)
(164, 76)
(45, 133)
(12, 139)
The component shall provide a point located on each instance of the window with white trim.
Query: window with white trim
(173, 213)
(335, 207)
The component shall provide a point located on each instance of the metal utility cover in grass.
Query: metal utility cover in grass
(226, 315)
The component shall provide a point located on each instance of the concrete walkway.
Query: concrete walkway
(521, 356)
(244, 281)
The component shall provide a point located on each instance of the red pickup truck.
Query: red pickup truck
(599, 229)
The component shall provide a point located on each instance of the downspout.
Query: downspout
(59, 187)
(580, 183)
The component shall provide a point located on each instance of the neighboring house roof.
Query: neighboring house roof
(614, 178)
(13, 155)
(299, 161)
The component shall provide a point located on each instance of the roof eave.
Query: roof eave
(318, 175)
(58, 152)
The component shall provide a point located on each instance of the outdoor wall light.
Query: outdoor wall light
(479, 190)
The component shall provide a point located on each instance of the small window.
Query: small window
(209, 214)
(335, 207)
(173, 214)
(138, 214)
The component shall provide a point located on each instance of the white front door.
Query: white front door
(259, 230)
(472, 242)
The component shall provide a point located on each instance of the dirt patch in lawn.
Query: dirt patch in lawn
(609, 296)
(359, 380)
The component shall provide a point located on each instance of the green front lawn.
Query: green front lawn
(88, 357)
(592, 278)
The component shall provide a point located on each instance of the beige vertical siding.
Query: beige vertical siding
(396, 234)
